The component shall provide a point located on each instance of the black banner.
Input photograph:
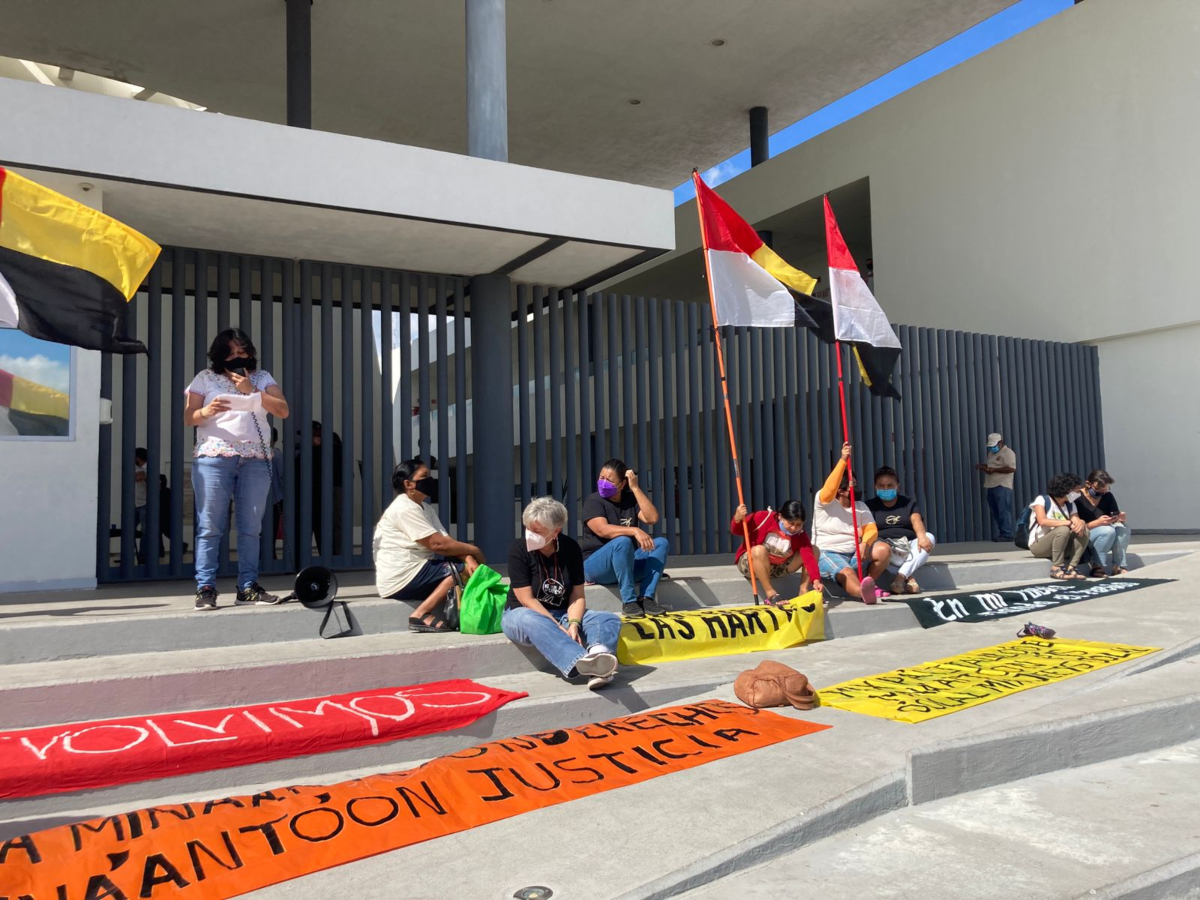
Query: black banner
(983, 606)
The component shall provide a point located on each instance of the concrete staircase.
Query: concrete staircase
(76, 659)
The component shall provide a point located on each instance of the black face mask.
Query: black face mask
(425, 486)
(241, 365)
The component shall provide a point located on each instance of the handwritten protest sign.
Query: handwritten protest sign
(983, 606)
(225, 847)
(958, 682)
(120, 751)
(721, 631)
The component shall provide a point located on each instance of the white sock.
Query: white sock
(596, 648)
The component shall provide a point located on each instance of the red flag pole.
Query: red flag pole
(737, 466)
(849, 466)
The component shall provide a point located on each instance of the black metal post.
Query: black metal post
(299, 63)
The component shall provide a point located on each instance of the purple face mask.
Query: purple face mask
(607, 489)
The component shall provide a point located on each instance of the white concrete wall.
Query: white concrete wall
(48, 489)
(1152, 424)
(1047, 188)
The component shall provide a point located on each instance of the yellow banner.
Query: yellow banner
(721, 631)
(947, 685)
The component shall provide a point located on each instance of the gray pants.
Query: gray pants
(1061, 546)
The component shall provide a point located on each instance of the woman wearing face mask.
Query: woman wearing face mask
(415, 557)
(1107, 531)
(228, 404)
(616, 550)
(900, 527)
(833, 533)
(1057, 533)
(546, 605)
(778, 547)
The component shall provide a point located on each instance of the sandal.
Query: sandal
(1098, 572)
(899, 585)
(1074, 574)
(1119, 570)
(1059, 574)
(776, 601)
(421, 626)
(913, 587)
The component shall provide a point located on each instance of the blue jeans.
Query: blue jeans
(524, 626)
(622, 562)
(1000, 502)
(1105, 538)
(216, 480)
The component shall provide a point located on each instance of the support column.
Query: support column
(492, 477)
(299, 63)
(487, 80)
(759, 150)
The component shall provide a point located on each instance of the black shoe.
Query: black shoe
(206, 597)
(632, 610)
(650, 607)
(254, 595)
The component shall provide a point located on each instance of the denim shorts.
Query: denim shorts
(831, 563)
(427, 578)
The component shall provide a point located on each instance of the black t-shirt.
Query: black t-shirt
(552, 578)
(1089, 511)
(895, 521)
(622, 510)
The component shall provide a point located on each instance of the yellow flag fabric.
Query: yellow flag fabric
(43, 224)
(721, 631)
(958, 682)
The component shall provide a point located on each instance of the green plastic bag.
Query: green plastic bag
(483, 602)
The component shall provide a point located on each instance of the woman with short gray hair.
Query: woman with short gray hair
(547, 608)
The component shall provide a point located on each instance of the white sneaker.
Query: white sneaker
(599, 681)
(601, 663)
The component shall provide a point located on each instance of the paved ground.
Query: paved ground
(1053, 836)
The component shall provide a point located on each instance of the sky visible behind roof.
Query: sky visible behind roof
(992, 31)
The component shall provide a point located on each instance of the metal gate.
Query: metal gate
(381, 360)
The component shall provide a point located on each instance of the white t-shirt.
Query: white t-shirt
(232, 433)
(833, 524)
(139, 487)
(1053, 511)
(398, 556)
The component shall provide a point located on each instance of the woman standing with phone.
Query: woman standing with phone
(228, 404)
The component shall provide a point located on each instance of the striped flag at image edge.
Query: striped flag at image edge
(67, 271)
(753, 286)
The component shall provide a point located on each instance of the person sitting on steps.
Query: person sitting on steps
(833, 533)
(1057, 533)
(415, 557)
(900, 527)
(778, 547)
(615, 549)
(546, 606)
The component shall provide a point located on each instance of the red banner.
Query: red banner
(222, 848)
(85, 755)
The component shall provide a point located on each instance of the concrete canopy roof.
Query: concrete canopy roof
(394, 69)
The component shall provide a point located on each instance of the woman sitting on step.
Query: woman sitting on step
(546, 607)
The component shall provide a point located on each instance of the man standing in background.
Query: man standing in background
(998, 473)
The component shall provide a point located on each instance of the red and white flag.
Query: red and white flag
(857, 317)
(751, 284)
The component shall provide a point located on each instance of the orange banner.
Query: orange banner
(226, 847)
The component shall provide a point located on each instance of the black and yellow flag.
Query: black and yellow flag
(66, 270)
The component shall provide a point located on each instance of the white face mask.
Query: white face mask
(534, 541)
(1073, 496)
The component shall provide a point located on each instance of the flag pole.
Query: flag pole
(737, 466)
(849, 466)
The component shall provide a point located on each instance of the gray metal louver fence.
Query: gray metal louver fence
(593, 377)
